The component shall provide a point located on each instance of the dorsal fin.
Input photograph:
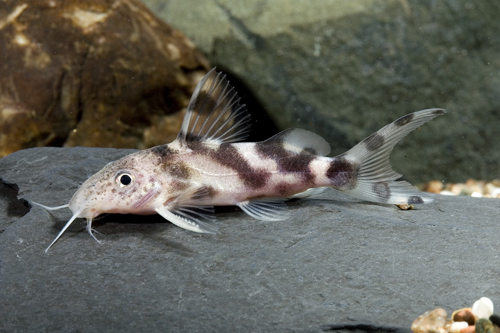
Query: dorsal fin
(297, 140)
(214, 113)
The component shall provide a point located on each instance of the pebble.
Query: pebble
(483, 308)
(472, 187)
(464, 315)
(483, 325)
(430, 321)
(478, 319)
(457, 326)
(406, 207)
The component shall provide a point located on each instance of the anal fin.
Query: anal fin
(265, 209)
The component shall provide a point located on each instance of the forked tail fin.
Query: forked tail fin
(375, 180)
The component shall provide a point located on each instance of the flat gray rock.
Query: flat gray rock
(337, 264)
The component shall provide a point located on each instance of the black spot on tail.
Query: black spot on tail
(415, 199)
(404, 119)
(382, 190)
(438, 112)
(229, 156)
(374, 141)
(342, 173)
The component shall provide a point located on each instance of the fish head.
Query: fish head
(126, 186)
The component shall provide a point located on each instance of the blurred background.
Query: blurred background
(120, 73)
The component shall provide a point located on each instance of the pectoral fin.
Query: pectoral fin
(189, 211)
(197, 219)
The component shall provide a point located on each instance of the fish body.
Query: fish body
(208, 166)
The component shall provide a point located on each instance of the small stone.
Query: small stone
(458, 189)
(457, 326)
(446, 193)
(473, 185)
(483, 308)
(483, 325)
(434, 186)
(464, 315)
(468, 329)
(492, 190)
(406, 207)
(430, 321)
(495, 319)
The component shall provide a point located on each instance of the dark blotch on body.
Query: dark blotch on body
(382, 190)
(404, 120)
(374, 141)
(229, 156)
(179, 170)
(287, 161)
(162, 151)
(284, 189)
(342, 173)
(415, 199)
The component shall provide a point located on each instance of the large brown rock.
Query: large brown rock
(93, 73)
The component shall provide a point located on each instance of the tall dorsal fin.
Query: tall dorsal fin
(298, 139)
(214, 112)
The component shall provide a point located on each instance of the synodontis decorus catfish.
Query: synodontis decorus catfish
(208, 166)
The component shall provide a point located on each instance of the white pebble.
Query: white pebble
(446, 193)
(483, 308)
(476, 195)
(457, 326)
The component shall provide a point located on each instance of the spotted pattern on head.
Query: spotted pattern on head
(382, 190)
(342, 173)
(415, 199)
(230, 157)
(404, 120)
(288, 161)
(374, 141)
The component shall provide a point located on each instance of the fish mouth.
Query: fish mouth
(146, 199)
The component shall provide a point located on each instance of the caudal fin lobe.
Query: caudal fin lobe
(374, 179)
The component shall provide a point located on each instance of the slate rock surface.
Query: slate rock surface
(92, 73)
(337, 264)
(343, 69)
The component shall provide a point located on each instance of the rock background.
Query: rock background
(91, 73)
(336, 265)
(346, 68)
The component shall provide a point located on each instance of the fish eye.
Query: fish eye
(124, 179)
